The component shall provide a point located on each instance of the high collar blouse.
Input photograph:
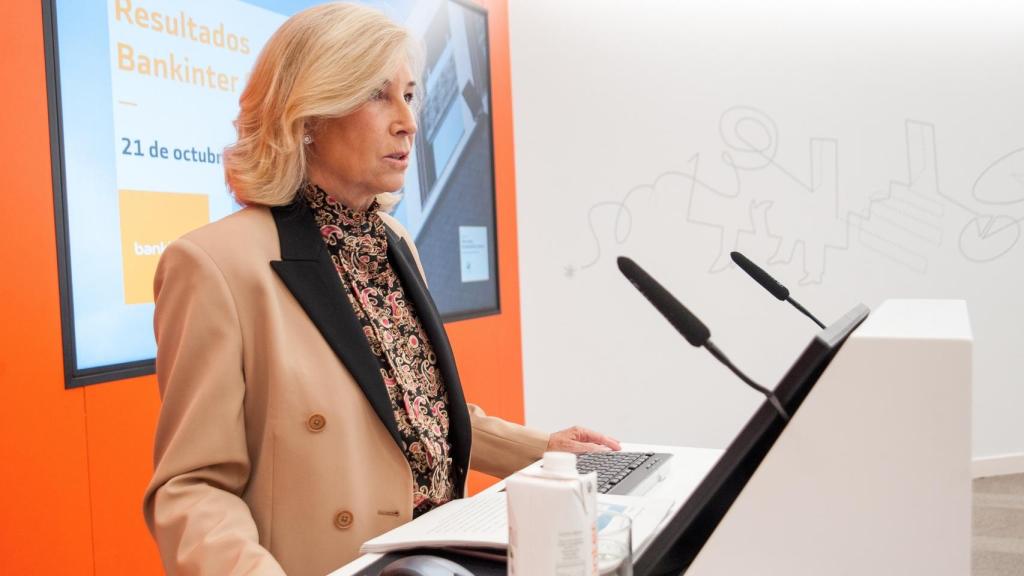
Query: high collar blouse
(358, 245)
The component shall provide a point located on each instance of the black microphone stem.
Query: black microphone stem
(767, 393)
(805, 312)
(770, 284)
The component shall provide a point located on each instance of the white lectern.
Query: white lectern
(872, 475)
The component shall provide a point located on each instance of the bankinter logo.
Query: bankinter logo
(149, 249)
(149, 222)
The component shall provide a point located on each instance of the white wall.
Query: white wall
(866, 150)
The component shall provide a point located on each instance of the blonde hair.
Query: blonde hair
(324, 62)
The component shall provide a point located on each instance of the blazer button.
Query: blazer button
(343, 520)
(316, 423)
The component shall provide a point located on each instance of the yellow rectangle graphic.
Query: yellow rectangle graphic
(149, 222)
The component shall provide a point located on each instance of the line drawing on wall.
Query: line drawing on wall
(987, 236)
(901, 223)
(902, 220)
(752, 138)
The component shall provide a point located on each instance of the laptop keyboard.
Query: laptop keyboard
(618, 472)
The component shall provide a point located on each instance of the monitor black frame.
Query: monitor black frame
(496, 309)
(676, 546)
(75, 377)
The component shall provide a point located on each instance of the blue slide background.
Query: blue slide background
(106, 330)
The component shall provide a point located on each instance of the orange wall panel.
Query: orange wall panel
(121, 417)
(45, 521)
(488, 350)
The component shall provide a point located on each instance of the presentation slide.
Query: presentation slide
(148, 90)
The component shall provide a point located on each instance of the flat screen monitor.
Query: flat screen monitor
(142, 96)
(675, 547)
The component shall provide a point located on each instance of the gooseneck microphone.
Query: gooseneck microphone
(695, 332)
(770, 284)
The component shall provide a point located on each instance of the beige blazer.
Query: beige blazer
(276, 448)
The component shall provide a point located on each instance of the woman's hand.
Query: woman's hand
(579, 439)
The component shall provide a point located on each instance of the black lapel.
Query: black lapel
(308, 272)
(402, 261)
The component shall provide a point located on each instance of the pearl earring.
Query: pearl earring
(307, 139)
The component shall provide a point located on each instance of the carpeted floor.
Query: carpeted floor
(998, 526)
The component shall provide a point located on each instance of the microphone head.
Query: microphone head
(695, 332)
(760, 276)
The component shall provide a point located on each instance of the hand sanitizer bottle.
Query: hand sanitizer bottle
(552, 519)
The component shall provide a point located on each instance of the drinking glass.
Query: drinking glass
(615, 544)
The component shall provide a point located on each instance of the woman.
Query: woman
(310, 397)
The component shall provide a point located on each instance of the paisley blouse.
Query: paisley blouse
(358, 247)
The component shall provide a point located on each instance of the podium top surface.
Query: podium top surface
(686, 470)
(918, 319)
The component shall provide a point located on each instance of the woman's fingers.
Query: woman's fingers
(578, 439)
(589, 436)
(581, 447)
